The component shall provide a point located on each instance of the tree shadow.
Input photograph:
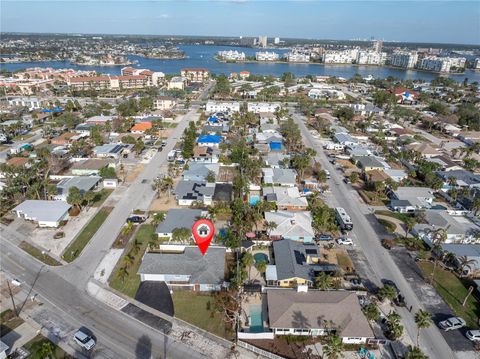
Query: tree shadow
(299, 320)
(143, 350)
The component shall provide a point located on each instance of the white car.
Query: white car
(473, 335)
(346, 241)
(452, 323)
(84, 340)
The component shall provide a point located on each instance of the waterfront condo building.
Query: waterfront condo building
(406, 60)
(441, 64)
(195, 75)
(108, 82)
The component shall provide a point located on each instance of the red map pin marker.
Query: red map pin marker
(203, 231)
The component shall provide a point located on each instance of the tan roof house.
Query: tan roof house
(314, 313)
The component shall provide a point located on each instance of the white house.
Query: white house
(258, 107)
(226, 106)
(45, 213)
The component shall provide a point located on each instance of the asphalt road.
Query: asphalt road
(64, 288)
(379, 259)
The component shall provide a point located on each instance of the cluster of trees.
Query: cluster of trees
(291, 135)
(384, 99)
(222, 86)
(27, 182)
(189, 137)
(131, 107)
(323, 217)
(77, 199)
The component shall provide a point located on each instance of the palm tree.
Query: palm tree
(423, 319)
(387, 292)
(136, 245)
(248, 261)
(122, 273)
(261, 266)
(334, 347)
(270, 226)
(437, 237)
(371, 312)
(46, 350)
(213, 212)
(324, 281)
(415, 353)
(476, 205)
(465, 263)
(394, 328)
(128, 260)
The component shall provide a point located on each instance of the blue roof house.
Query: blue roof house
(209, 140)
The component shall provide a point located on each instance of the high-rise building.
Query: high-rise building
(248, 41)
(377, 45)
(276, 41)
(262, 41)
(441, 64)
(407, 60)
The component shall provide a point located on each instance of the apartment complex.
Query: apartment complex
(266, 56)
(340, 57)
(262, 41)
(296, 56)
(371, 58)
(406, 60)
(195, 75)
(108, 82)
(441, 64)
(231, 55)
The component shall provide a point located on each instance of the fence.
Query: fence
(267, 335)
(258, 350)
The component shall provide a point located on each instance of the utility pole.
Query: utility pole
(11, 297)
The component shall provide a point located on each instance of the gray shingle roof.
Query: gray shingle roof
(291, 260)
(83, 183)
(178, 218)
(208, 269)
(194, 190)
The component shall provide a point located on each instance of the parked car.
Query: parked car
(323, 237)
(84, 339)
(136, 219)
(347, 180)
(452, 323)
(473, 335)
(345, 241)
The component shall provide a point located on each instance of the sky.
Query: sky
(390, 20)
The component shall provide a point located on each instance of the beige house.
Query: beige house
(316, 313)
(164, 103)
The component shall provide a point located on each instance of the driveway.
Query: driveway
(431, 300)
(156, 295)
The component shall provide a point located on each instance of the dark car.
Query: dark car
(136, 219)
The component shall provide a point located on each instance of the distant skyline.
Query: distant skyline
(410, 21)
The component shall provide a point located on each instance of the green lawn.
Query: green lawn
(129, 285)
(36, 348)
(76, 247)
(8, 322)
(389, 226)
(101, 197)
(193, 308)
(400, 216)
(454, 291)
(344, 262)
(37, 253)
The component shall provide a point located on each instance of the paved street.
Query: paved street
(379, 259)
(63, 288)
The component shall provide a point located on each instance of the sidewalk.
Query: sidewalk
(21, 335)
(208, 343)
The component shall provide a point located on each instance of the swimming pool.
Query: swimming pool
(260, 257)
(253, 200)
(256, 320)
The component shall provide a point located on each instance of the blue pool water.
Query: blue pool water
(260, 257)
(253, 200)
(256, 320)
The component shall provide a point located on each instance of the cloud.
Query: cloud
(163, 16)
